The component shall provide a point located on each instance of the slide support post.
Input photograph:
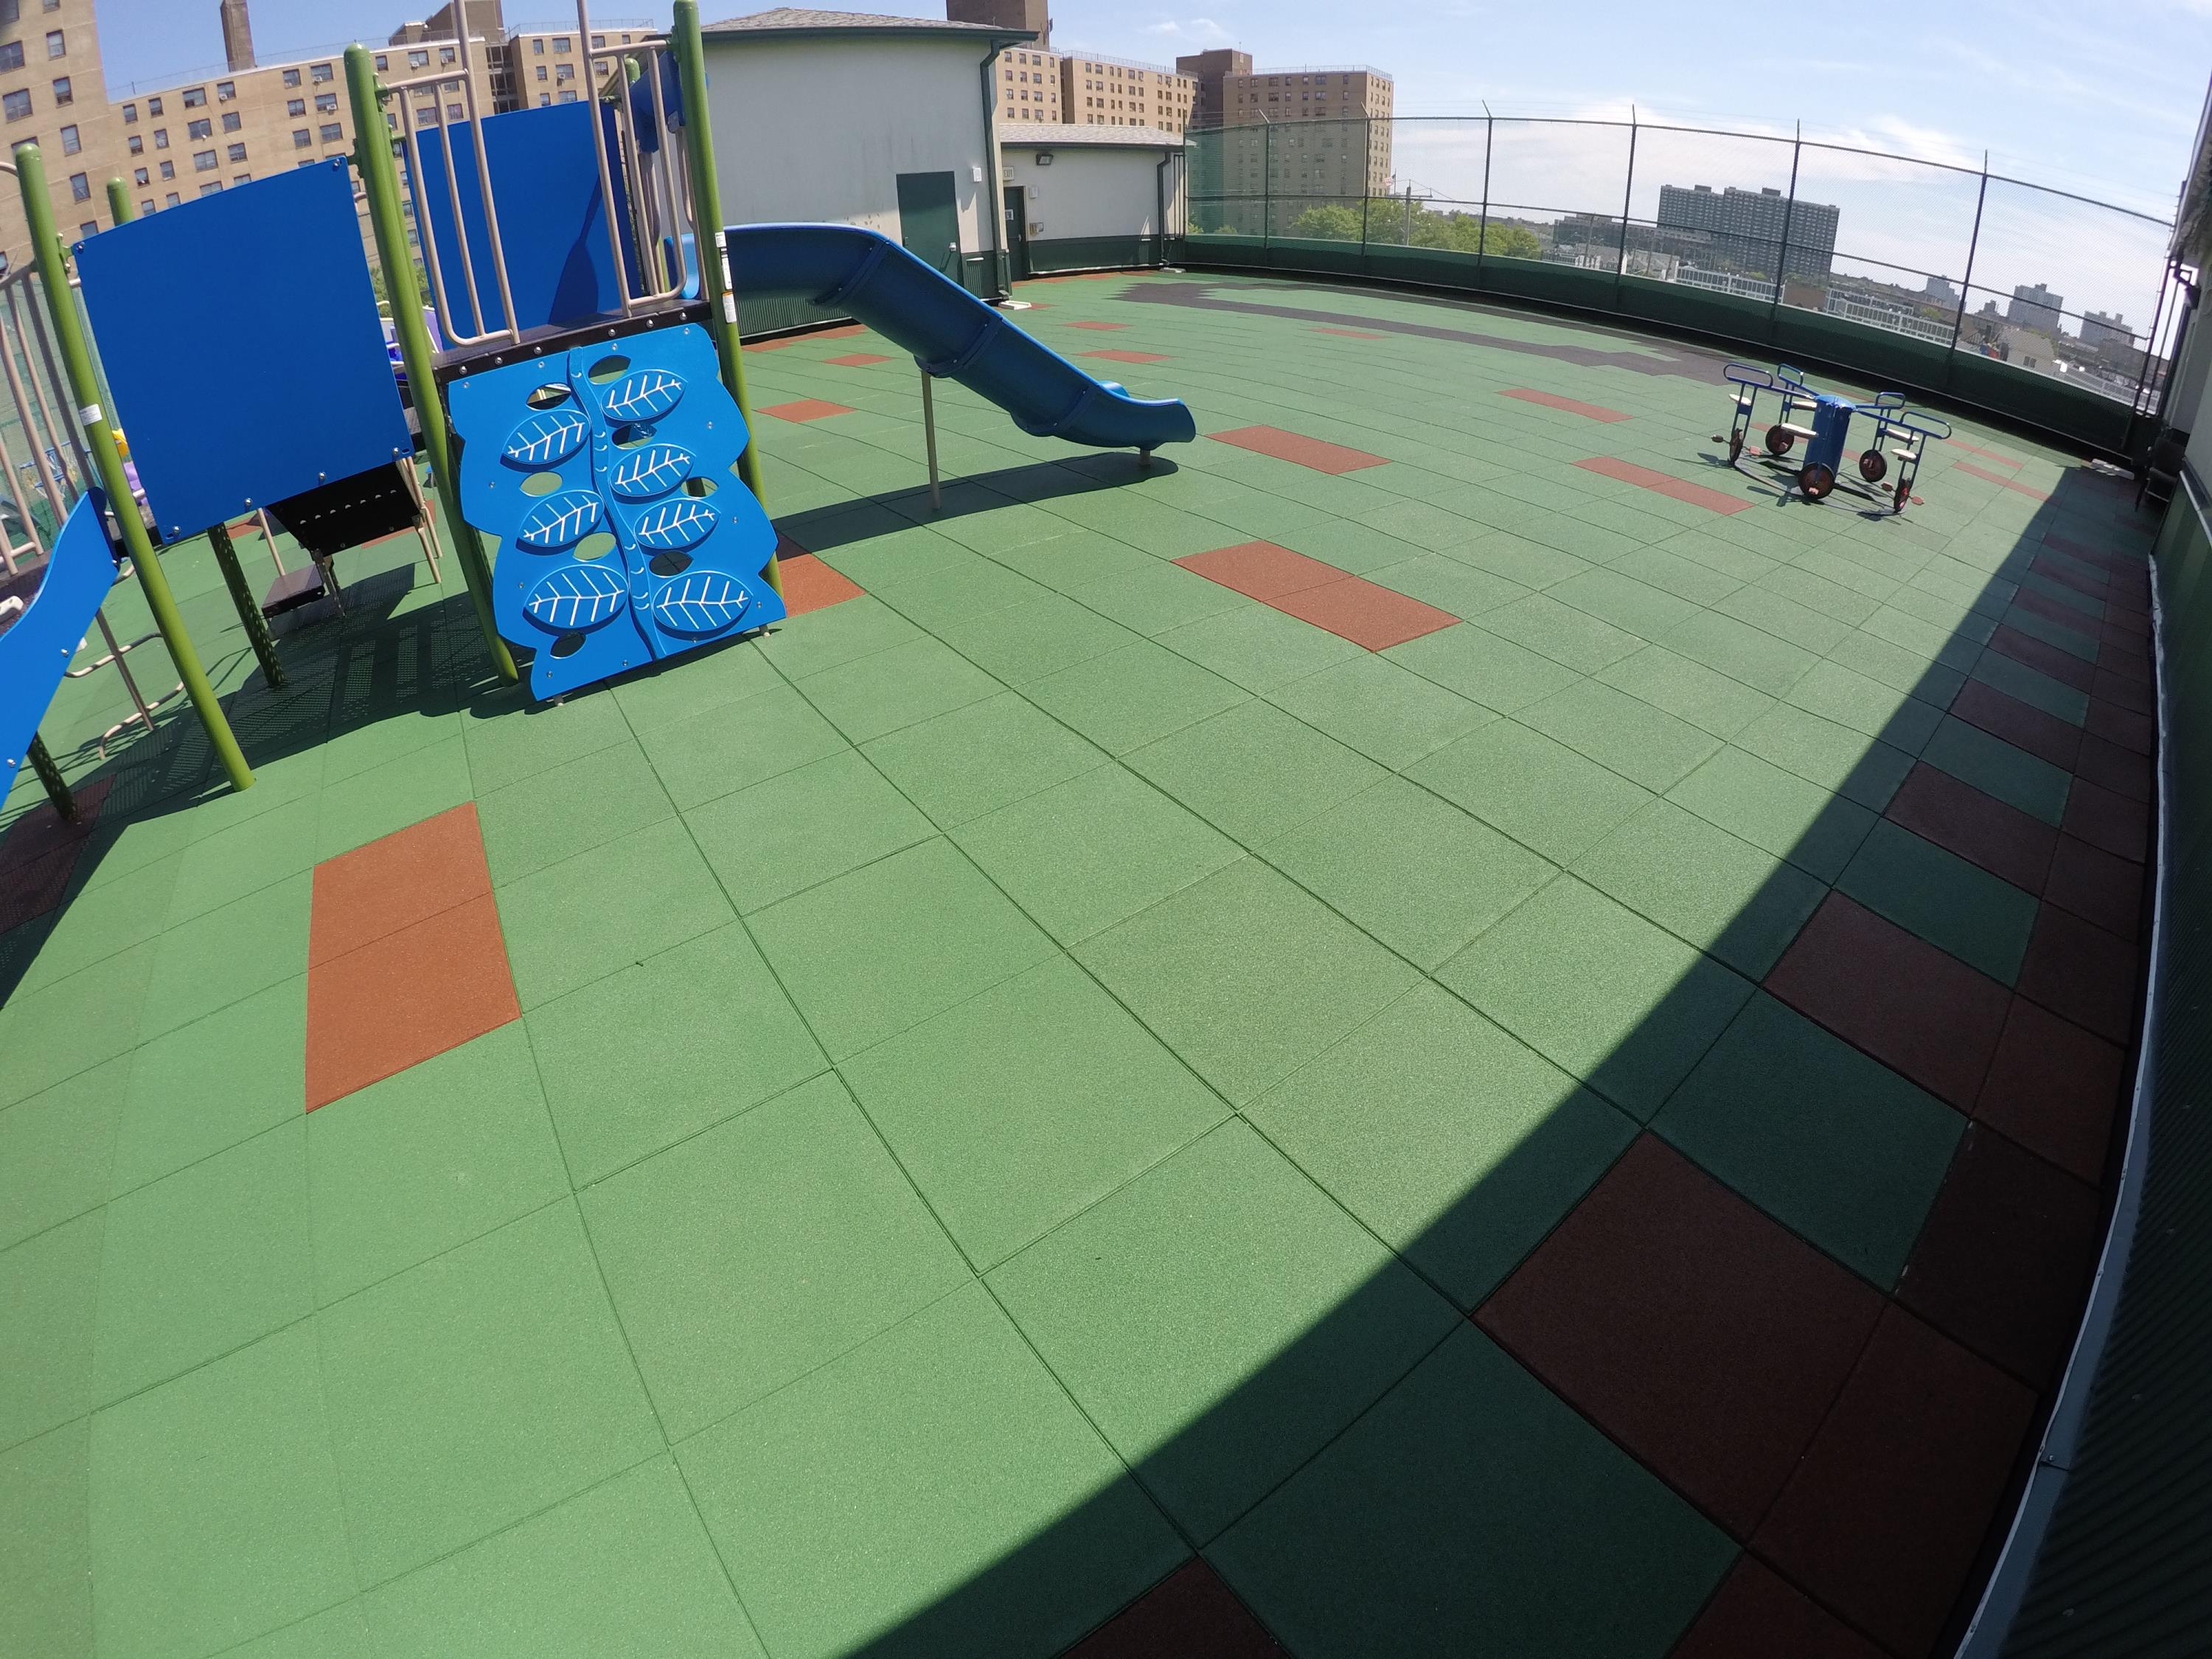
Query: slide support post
(57, 789)
(249, 608)
(107, 461)
(929, 438)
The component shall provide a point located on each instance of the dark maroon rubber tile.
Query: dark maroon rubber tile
(1707, 1338)
(1190, 1614)
(1570, 405)
(1665, 484)
(1759, 1614)
(1260, 570)
(2124, 726)
(1980, 829)
(2027, 490)
(2066, 575)
(1918, 1009)
(2105, 819)
(2021, 724)
(2097, 886)
(2005, 1255)
(2054, 1088)
(1304, 452)
(2135, 695)
(2096, 556)
(2080, 972)
(1884, 1518)
(2127, 667)
(2123, 771)
(40, 853)
(1363, 612)
(2044, 658)
(2058, 611)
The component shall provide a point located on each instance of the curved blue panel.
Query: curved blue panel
(36, 652)
(555, 463)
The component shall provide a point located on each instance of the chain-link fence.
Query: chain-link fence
(1953, 256)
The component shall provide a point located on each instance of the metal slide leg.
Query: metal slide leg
(269, 538)
(249, 608)
(929, 441)
(57, 789)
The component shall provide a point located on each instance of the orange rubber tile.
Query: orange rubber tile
(805, 408)
(1353, 333)
(1664, 484)
(395, 882)
(1101, 326)
(1260, 570)
(856, 360)
(811, 584)
(412, 994)
(1986, 454)
(1118, 356)
(2028, 491)
(1572, 405)
(1291, 446)
(1363, 612)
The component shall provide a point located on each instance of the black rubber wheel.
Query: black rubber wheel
(1904, 489)
(1778, 441)
(1872, 464)
(1815, 480)
(1736, 446)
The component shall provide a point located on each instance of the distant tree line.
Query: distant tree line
(1388, 222)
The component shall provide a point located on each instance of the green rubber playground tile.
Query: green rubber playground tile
(1254, 772)
(580, 920)
(50, 1284)
(1015, 1110)
(1837, 759)
(1415, 871)
(1244, 975)
(57, 1148)
(1898, 669)
(1038, 637)
(876, 952)
(1572, 638)
(569, 809)
(704, 756)
(1084, 855)
(441, 1153)
(1474, 1499)
(828, 639)
(1622, 734)
(947, 585)
(2038, 691)
(1690, 691)
(1483, 667)
(1613, 596)
(99, 923)
(1463, 589)
(1349, 545)
(876, 694)
(1537, 790)
(1426, 526)
(1072, 558)
(1996, 767)
(1981, 919)
(1834, 1145)
(705, 1021)
(623, 1568)
(1739, 651)
(1866, 706)
(203, 1261)
(1669, 572)
(475, 1390)
(1127, 698)
(1733, 901)
(209, 1085)
(247, 1534)
(369, 805)
(2074, 642)
(1953, 647)
(799, 827)
(46, 1546)
(1776, 613)
(696, 684)
(1257, 646)
(1388, 713)
(1156, 598)
(975, 760)
(1601, 993)
(1517, 559)
(1220, 1320)
(1457, 1144)
(244, 859)
(747, 1256)
(1775, 811)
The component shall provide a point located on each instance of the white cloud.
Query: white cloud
(1195, 31)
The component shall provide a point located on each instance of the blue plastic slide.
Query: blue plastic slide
(36, 651)
(863, 273)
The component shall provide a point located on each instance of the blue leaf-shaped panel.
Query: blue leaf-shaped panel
(701, 604)
(616, 610)
(673, 526)
(643, 474)
(573, 599)
(547, 439)
(559, 520)
(643, 394)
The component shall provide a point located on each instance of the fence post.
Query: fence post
(1788, 222)
(1267, 182)
(1482, 223)
(1627, 195)
(2150, 344)
(1973, 241)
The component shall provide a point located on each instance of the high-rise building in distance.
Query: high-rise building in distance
(1030, 14)
(2037, 308)
(237, 35)
(1744, 229)
(1208, 70)
(1312, 132)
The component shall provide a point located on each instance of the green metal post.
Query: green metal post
(379, 181)
(107, 461)
(57, 789)
(707, 196)
(249, 608)
(120, 208)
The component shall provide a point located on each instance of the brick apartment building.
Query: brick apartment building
(1312, 132)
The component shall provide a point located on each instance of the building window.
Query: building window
(445, 56)
(383, 63)
(326, 103)
(559, 43)
(225, 91)
(171, 201)
(89, 228)
(195, 97)
(541, 72)
(203, 161)
(56, 47)
(80, 187)
(11, 11)
(129, 115)
(291, 77)
(241, 178)
(231, 120)
(568, 97)
(153, 106)
(161, 137)
(301, 138)
(168, 169)
(70, 144)
(237, 153)
(543, 99)
(564, 71)
(598, 42)
(456, 113)
(538, 46)
(11, 54)
(16, 105)
(199, 130)
(332, 131)
(139, 176)
(295, 108)
(418, 60)
(209, 190)
(146, 206)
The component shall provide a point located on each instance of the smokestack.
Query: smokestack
(237, 35)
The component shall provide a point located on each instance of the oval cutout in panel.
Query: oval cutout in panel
(547, 396)
(541, 484)
(671, 564)
(597, 545)
(567, 645)
(699, 487)
(607, 368)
